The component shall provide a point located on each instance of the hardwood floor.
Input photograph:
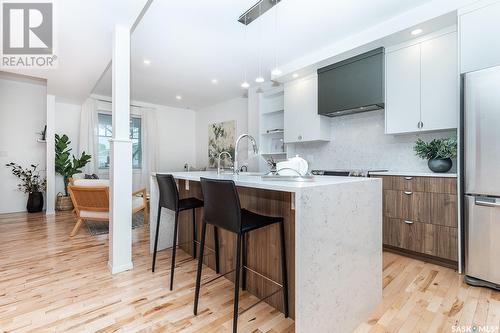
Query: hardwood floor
(423, 297)
(51, 283)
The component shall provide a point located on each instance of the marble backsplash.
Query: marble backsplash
(358, 142)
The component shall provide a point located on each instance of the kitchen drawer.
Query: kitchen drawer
(442, 185)
(420, 184)
(444, 209)
(441, 241)
(407, 205)
(404, 234)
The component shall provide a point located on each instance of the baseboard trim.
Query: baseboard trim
(424, 257)
(121, 268)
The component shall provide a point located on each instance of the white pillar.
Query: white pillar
(120, 223)
(50, 194)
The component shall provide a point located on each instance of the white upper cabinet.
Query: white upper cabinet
(402, 97)
(479, 38)
(439, 83)
(302, 121)
(422, 85)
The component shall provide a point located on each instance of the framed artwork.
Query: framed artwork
(221, 137)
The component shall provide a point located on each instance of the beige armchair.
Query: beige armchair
(92, 203)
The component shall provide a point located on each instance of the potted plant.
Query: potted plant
(438, 152)
(31, 183)
(67, 167)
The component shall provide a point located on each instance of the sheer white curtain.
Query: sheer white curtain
(149, 137)
(88, 134)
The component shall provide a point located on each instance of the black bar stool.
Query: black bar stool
(169, 199)
(223, 210)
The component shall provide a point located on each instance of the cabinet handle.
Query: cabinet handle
(408, 192)
(408, 178)
(408, 222)
(420, 124)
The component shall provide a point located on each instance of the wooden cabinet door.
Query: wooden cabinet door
(441, 241)
(444, 210)
(407, 205)
(402, 82)
(404, 234)
(439, 83)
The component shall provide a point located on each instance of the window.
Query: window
(106, 133)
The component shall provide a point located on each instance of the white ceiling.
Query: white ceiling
(191, 42)
(84, 34)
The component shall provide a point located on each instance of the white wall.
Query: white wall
(22, 115)
(358, 142)
(176, 138)
(234, 109)
(67, 122)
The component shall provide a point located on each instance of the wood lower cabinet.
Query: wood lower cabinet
(421, 217)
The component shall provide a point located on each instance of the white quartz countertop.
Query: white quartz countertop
(414, 174)
(255, 181)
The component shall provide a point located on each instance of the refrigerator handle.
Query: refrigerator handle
(489, 202)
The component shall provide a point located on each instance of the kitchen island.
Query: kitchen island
(333, 234)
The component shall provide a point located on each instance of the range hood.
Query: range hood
(353, 85)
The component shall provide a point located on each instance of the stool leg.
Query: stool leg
(237, 283)
(200, 266)
(156, 239)
(244, 262)
(194, 233)
(174, 248)
(284, 272)
(216, 245)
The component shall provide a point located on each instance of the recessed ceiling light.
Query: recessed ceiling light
(178, 97)
(214, 81)
(245, 85)
(416, 32)
(260, 79)
(276, 71)
(295, 75)
(147, 62)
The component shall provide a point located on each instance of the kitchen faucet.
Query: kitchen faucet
(220, 157)
(254, 146)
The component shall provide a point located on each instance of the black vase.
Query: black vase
(35, 202)
(440, 165)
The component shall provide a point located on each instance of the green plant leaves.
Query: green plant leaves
(437, 148)
(31, 181)
(66, 166)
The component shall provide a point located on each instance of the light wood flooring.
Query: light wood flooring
(51, 283)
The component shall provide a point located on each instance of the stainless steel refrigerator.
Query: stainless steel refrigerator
(481, 121)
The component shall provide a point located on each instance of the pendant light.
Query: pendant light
(276, 71)
(260, 78)
(245, 84)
